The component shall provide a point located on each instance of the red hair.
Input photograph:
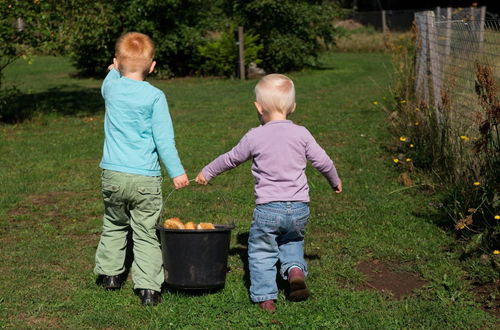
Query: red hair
(135, 52)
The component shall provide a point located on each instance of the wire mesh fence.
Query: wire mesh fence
(452, 44)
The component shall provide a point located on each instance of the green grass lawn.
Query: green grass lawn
(51, 209)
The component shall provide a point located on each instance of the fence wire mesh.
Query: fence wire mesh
(451, 44)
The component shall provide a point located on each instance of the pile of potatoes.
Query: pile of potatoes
(176, 223)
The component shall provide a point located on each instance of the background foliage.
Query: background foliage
(291, 34)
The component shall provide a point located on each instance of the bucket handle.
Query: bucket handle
(162, 213)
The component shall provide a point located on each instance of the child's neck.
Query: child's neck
(134, 75)
(275, 116)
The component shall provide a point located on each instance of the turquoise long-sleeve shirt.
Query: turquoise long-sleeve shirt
(138, 128)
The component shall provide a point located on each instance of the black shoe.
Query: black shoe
(112, 282)
(149, 297)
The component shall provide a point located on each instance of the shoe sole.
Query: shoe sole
(298, 290)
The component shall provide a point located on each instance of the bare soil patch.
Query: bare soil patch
(488, 295)
(381, 277)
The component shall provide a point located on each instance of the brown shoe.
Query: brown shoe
(298, 289)
(268, 305)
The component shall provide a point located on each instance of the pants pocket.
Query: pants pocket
(149, 198)
(300, 222)
(111, 194)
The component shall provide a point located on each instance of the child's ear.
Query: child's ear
(116, 64)
(260, 110)
(152, 67)
(294, 106)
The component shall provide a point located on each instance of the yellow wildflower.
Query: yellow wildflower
(464, 137)
(395, 160)
(408, 160)
(417, 123)
(417, 109)
(496, 252)
(402, 139)
(497, 217)
(375, 102)
(477, 183)
(402, 101)
(460, 225)
(411, 145)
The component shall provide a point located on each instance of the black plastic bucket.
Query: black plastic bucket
(195, 259)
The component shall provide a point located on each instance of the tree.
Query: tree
(293, 32)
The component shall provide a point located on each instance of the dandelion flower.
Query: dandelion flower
(395, 160)
(408, 160)
(417, 109)
(402, 101)
(497, 217)
(496, 252)
(375, 102)
(464, 137)
(412, 145)
(477, 183)
(417, 123)
(460, 225)
(403, 139)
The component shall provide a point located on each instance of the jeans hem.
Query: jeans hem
(284, 270)
(258, 299)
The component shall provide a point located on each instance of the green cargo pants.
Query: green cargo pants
(135, 201)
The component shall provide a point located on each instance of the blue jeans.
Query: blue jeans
(276, 234)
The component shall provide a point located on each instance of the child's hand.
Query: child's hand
(200, 179)
(111, 67)
(338, 188)
(181, 181)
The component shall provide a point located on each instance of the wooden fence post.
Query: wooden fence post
(481, 26)
(421, 65)
(384, 21)
(241, 48)
(447, 32)
(435, 71)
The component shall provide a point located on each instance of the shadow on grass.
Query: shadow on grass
(67, 100)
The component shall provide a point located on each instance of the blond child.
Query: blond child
(279, 150)
(138, 131)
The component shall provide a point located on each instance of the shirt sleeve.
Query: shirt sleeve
(239, 154)
(320, 160)
(163, 135)
(112, 75)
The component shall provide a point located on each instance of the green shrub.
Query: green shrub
(97, 26)
(177, 28)
(293, 32)
(220, 54)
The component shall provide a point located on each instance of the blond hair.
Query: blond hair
(276, 92)
(135, 52)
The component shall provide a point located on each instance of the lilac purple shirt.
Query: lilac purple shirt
(279, 151)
